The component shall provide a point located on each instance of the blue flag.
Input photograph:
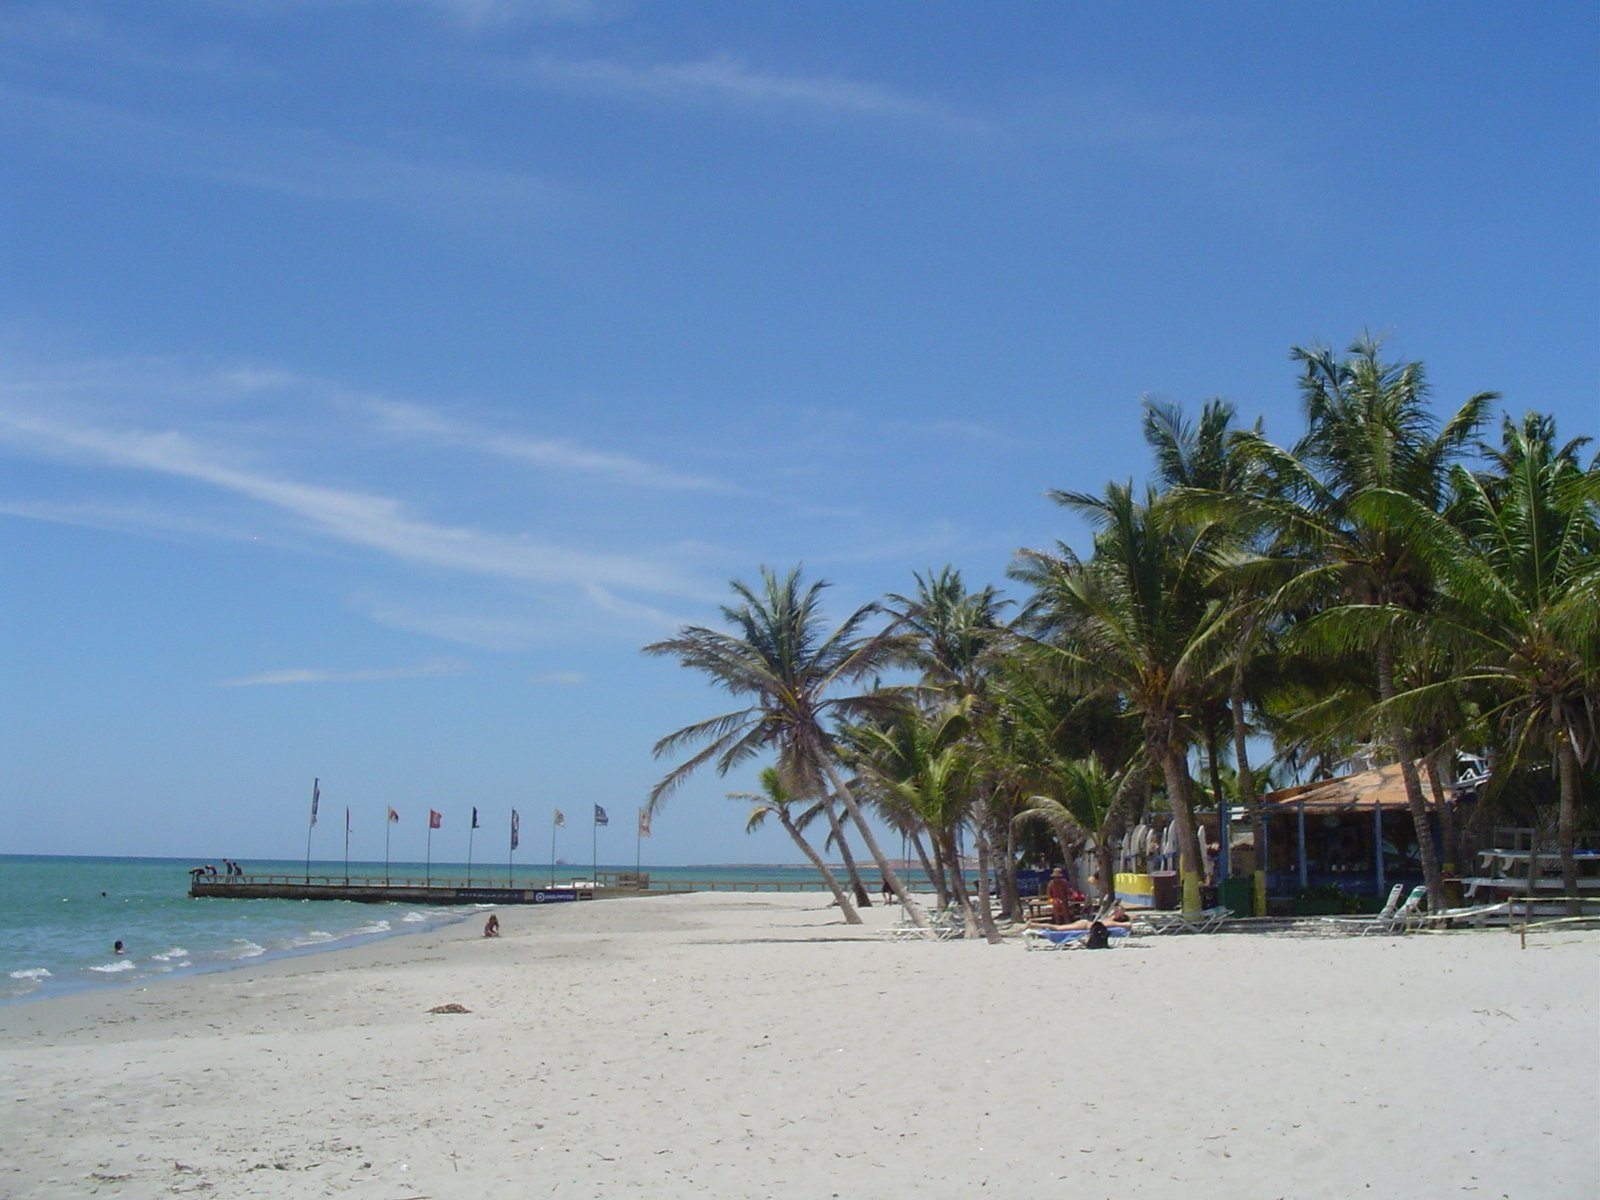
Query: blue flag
(600, 817)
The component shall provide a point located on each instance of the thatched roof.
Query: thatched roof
(1379, 788)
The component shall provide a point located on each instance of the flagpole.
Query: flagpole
(315, 792)
(427, 879)
(552, 852)
(513, 850)
(347, 845)
(638, 842)
(386, 830)
(594, 848)
(470, 831)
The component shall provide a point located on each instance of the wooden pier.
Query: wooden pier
(398, 889)
(379, 890)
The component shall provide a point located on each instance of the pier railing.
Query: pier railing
(613, 882)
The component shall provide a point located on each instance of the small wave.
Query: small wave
(247, 948)
(319, 935)
(31, 973)
(113, 968)
(175, 952)
(413, 918)
(374, 927)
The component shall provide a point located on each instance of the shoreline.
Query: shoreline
(751, 1044)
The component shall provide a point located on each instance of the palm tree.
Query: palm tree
(924, 765)
(1086, 799)
(1134, 622)
(1517, 559)
(951, 634)
(795, 676)
(955, 637)
(1369, 428)
(1214, 458)
(775, 800)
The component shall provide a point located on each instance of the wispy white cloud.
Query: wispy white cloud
(477, 629)
(299, 675)
(728, 81)
(561, 454)
(303, 164)
(123, 516)
(372, 521)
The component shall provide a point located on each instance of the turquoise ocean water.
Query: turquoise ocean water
(61, 916)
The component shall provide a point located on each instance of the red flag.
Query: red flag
(393, 816)
(434, 819)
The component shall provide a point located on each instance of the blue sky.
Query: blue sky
(377, 377)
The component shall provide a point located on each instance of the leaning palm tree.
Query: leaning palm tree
(1134, 622)
(775, 800)
(956, 637)
(795, 676)
(923, 764)
(1517, 559)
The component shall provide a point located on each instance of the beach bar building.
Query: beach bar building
(1352, 836)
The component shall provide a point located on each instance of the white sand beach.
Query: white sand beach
(753, 1045)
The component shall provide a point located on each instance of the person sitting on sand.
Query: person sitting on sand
(1118, 918)
(491, 927)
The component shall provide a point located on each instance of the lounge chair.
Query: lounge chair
(948, 924)
(1402, 919)
(1207, 920)
(1447, 918)
(1070, 939)
(1366, 922)
(1393, 917)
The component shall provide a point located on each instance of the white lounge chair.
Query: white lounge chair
(1402, 919)
(1446, 918)
(1367, 922)
(946, 925)
(1207, 920)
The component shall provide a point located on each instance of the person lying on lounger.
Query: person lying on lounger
(1117, 918)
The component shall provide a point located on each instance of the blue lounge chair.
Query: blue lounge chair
(1070, 939)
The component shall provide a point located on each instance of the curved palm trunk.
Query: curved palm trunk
(946, 843)
(1247, 793)
(985, 913)
(1567, 826)
(851, 916)
(1441, 806)
(863, 900)
(1175, 770)
(931, 868)
(1010, 898)
(908, 904)
(1431, 876)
